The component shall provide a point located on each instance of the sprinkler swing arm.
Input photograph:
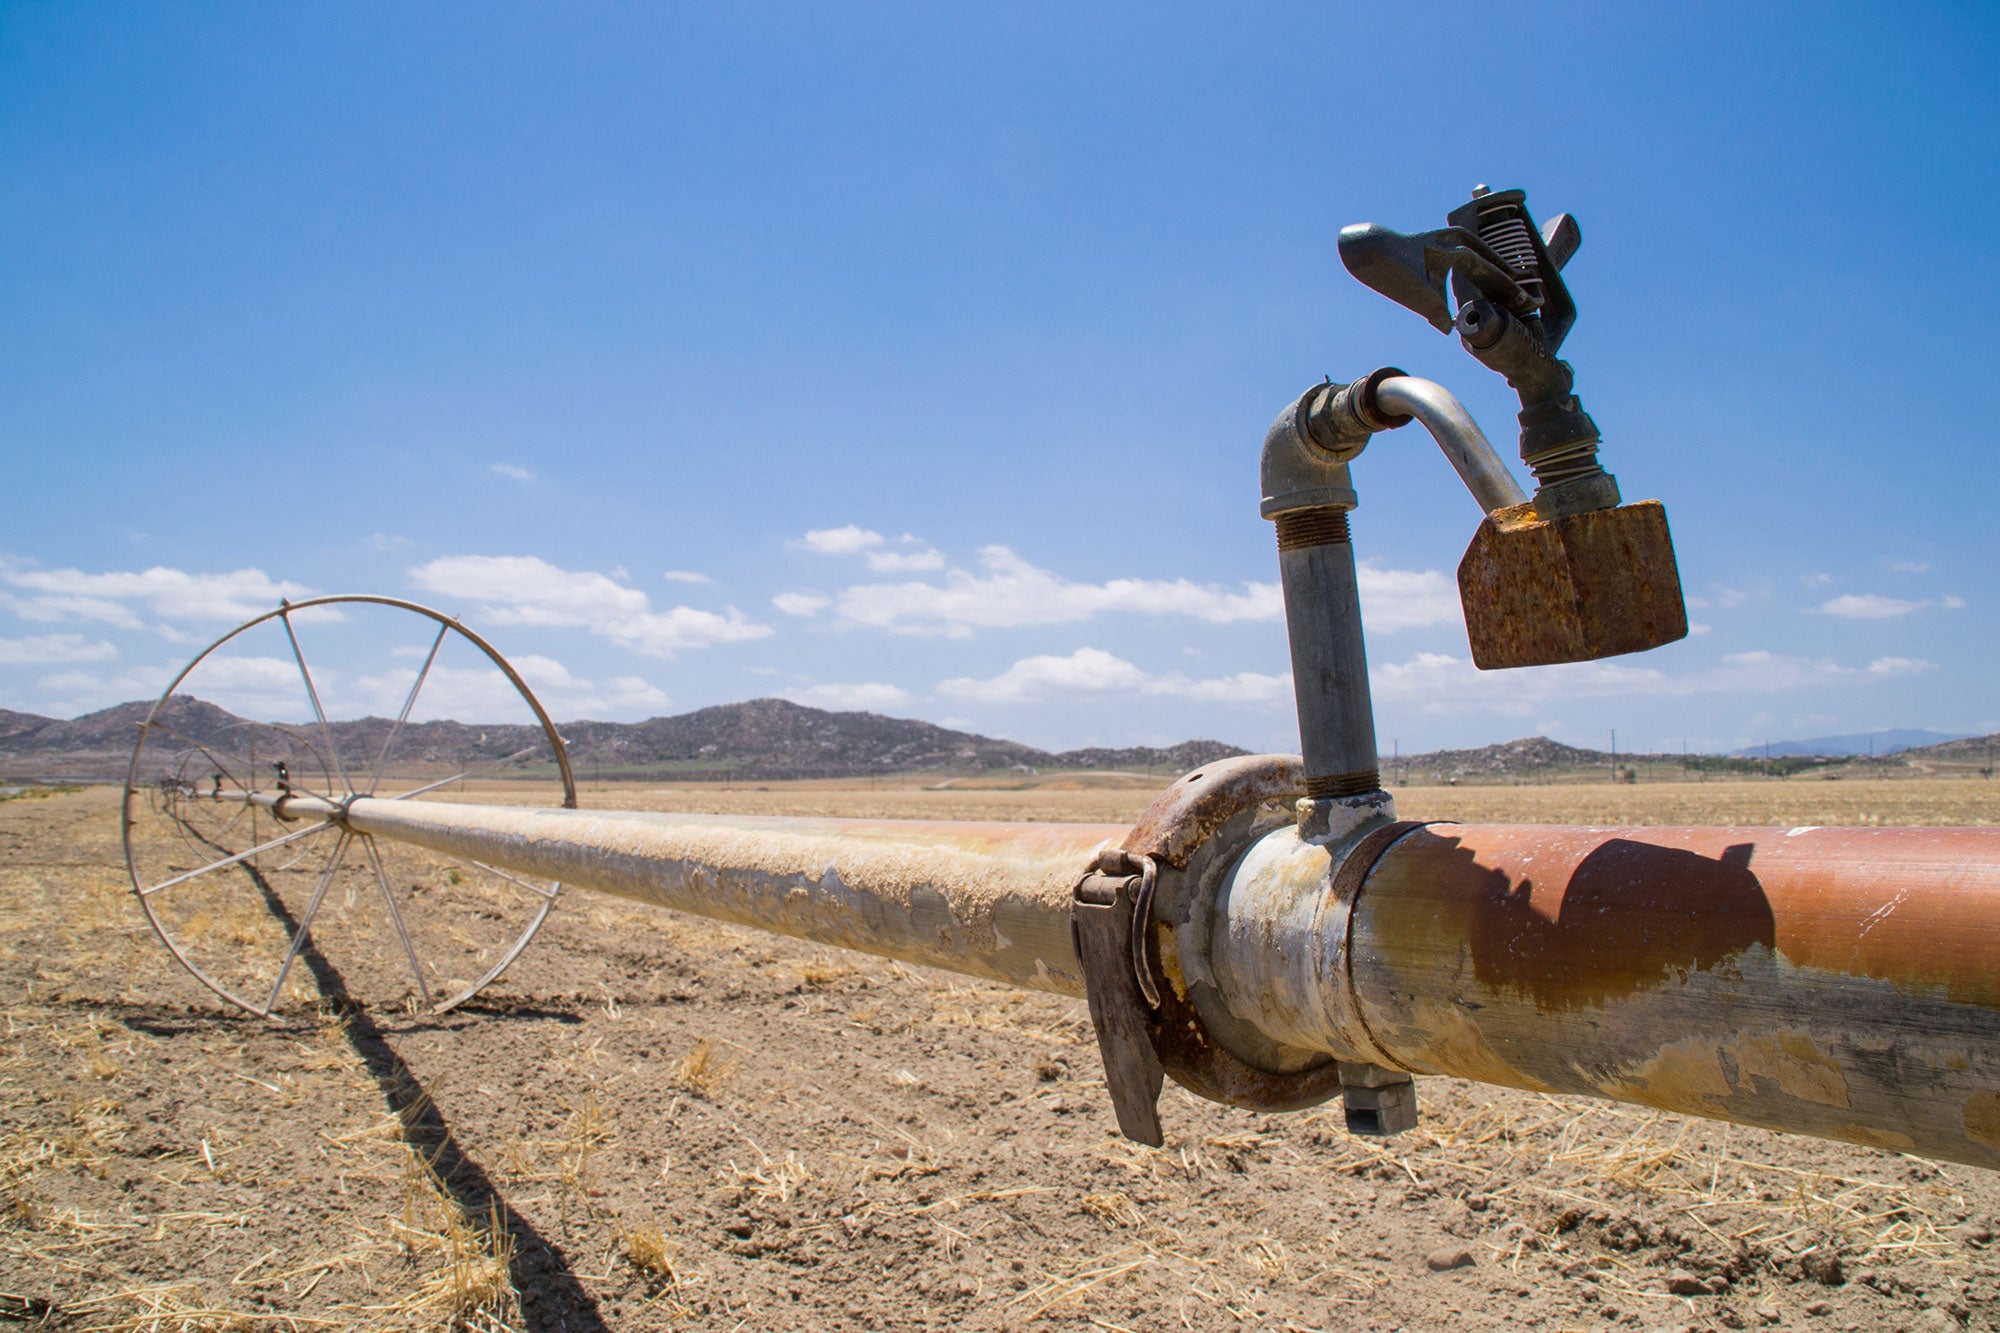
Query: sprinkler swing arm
(1270, 935)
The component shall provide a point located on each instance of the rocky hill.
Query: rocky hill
(1977, 750)
(1531, 756)
(764, 739)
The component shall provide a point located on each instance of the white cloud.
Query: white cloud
(1441, 684)
(50, 648)
(71, 594)
(531, 590)
(1094, 671)
(849, 540)
(685, 576)
(1869, 606)
(527, 590)
(387, 541)
(1397, 599)
(513, 472)
(1951, 603)
(1910, 566)
(801, 603)
(868, 695)
(1013, 592)
(906, 562)
(73, 693)
(1890, 667)
(1815, 580)
(480, 694)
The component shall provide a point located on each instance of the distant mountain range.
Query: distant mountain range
(764, 740)
(1869, 742)
(774, 739)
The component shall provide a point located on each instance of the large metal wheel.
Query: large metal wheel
(273, 913)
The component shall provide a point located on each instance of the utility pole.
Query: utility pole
(1614, 754)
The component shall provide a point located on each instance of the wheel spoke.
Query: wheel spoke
(460, 777)
(240, 856)
(396, 916)
(404, 716)
(211, 755)
(300, 935)
(312, 693)
(254, 835)
(539, 893)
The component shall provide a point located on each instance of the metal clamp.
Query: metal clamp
(1193, 831)
(1109, 912)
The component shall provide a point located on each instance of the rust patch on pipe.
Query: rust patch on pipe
(1628, 915)
(1794, 1062)
(1982, 1118)
(1685, 1076)
(1195, 808)
(1834, 982)
(1581, 916)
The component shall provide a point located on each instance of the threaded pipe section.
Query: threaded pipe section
(1302, 528)
(1565, 463)
(1333, 786)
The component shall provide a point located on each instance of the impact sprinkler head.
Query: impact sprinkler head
(1573, 574)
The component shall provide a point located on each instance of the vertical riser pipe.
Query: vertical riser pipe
(1329, 661)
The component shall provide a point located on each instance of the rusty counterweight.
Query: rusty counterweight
(1843, 983)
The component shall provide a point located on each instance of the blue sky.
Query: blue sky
(917, 357)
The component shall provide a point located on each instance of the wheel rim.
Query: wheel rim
(241, 899)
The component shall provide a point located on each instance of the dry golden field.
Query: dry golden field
(655, 1121)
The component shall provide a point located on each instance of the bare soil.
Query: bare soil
(655, 1121)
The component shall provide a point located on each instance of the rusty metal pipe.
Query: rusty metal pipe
(1834, 982)
(986, 899)
(1841, 983)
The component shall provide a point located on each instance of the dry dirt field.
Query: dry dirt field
(655, 1122)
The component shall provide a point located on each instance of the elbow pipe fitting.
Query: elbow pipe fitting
(1308, 448)
(1298, 471)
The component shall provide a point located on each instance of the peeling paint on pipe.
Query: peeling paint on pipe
(986, 899)
(1842, 983)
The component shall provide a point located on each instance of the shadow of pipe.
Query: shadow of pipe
(552, 1298)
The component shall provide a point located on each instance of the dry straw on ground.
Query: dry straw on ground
(661, 1122)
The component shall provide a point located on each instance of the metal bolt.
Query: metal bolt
(1481, 324)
